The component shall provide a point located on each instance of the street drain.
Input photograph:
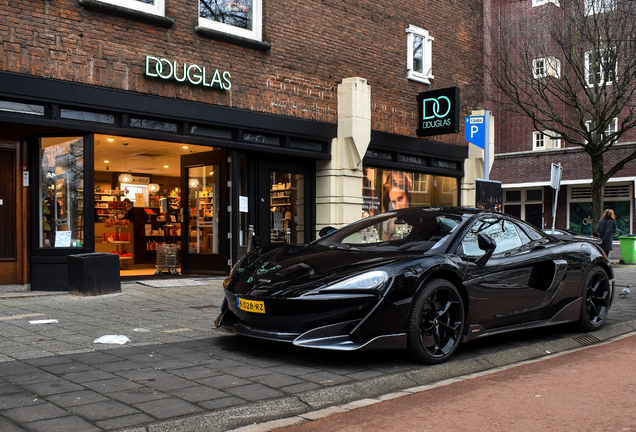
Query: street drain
(586, 339)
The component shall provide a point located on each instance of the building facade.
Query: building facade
(127, 126)
(524, 155)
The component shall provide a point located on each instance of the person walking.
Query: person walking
(606, 229)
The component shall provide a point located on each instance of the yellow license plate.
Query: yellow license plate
(251, 305)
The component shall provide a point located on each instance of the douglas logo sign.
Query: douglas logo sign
(192, 73)
(438, 112)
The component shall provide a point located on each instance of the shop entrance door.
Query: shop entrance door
(534, 215)
(285, 203)
(205, 221)
(11, 228)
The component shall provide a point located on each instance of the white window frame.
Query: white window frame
(256, 33)
(536, 3)
(589, 74)
(599, 6)
(158, 8)
(611, 128)
(427, 55)
(545, 67)
(545, 140)
(538, 141)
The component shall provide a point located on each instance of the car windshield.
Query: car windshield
(413, 231)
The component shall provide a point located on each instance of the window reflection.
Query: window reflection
(203, 187)
(237, 13)
(62, 193)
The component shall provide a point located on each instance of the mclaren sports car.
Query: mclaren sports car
(420, 279)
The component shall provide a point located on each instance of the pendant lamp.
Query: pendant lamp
(125, 177)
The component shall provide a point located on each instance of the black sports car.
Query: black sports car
(424, 279)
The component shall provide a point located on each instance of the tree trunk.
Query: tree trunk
(598, 185)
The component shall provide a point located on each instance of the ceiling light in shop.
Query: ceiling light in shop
(185, 147)
(125, 178)
(106, 161)
(111, 139)
(166, 166)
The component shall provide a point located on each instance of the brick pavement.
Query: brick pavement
(178, 373)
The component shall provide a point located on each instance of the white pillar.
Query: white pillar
(339, 180)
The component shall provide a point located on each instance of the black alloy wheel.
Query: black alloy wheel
(436, 322)
(597, 295)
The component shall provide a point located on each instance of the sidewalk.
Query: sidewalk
(178, 373)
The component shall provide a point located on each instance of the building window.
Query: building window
(545, 140)
(419, 55)
(612, 128)
(545, 67)
(599, 6)
(538, 141)
(237, 17)
(154, 7)
(600, 67)
(544, 2)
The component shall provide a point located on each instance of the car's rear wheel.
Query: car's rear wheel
(597, 295)
(436, 322)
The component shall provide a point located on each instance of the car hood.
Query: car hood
(294, 270)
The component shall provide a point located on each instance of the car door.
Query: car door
(518, 281)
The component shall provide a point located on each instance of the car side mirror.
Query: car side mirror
(486, 242)
(326, 230)
(488, 245)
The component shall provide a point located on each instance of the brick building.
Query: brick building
(524, 155)
(127, 124)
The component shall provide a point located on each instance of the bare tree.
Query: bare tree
(569, 66)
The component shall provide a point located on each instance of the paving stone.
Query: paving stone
(137, 395)
(254, 392)
(94, 358)
(125, 421)
(167, 383)
(277, 380)
(47, 361)
(61, 424)
(194, 372)
(16, 368)
(103, 410)
(143, 374)
(120, 366)
(293, 369)
(31, 378)
(75, 398)
(198, 393)
(246, 371)
(21, 399)
(111, 385)
(300, 388)
(325, 378)
(223, 381)
(52, 387)
(167, 408)
(7, 425)
(29, 414)
(67, 368)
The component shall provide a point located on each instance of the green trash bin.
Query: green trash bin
(628, 249)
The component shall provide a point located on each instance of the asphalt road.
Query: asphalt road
(177, 373)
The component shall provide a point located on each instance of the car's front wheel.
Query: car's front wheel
(435, 322)
(597, 295)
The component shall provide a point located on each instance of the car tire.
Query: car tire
(436, 322)
(596, 295)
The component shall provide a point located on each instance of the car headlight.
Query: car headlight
(373, 280)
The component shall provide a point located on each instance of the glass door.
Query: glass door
(284, 197)
(205, 245)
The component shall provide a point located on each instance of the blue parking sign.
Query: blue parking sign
(474, 130)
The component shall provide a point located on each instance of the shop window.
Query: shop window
(21, 108)
(211, 132)
(379, 155)
(534, 195)
(616, 197)
(444, 164)
(153, 124)
(416, 160)
(154, 7)
(261, 139)
(612, 128)
(62, 193)
(305, 145)
(236, 17)
(544, 2)
(203, 202)
(87, 116)
(419, 59)
(386, 190)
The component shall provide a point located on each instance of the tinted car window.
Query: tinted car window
(414, 231)
(502, 231)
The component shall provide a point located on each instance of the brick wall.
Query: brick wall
(314, 45)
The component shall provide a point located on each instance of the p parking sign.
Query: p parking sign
(474, 130)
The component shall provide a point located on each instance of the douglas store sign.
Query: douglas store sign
(438, 112)
(187, 72)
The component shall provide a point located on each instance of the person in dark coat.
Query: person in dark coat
(606, 229)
